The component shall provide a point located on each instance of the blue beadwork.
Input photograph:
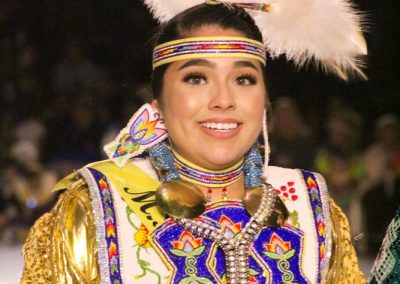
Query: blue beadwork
(252, 168)
(260, 264)
(163, 161)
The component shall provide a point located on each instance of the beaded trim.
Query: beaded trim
(201, 47)
(314, 193)
(328, 234)
(106, 233)
(200, 176)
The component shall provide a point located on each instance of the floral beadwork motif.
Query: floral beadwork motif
(109, 222)
(145, 129)
(229, 228)
(319, 219)
(141, 239)
(287, 191)
(189, 247)
(281, 251)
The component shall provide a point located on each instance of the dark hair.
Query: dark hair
(198, 16)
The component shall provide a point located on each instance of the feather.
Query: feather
(164, 10)
(327, 33)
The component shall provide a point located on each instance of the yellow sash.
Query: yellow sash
(135, 186)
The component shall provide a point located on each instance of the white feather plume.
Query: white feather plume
(164, 10)
(326, 32)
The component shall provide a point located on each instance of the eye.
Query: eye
(195, 78)
(246, 80)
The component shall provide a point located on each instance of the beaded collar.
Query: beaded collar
(209, 178)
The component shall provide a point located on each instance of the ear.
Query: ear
(154, 104)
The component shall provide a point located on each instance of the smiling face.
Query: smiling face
(213, 107)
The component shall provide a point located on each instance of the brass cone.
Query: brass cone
(180, 199)
(252, 200)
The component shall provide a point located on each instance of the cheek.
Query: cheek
(178, 110)
(254, 105)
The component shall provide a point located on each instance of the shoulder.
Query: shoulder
(279, 177)
(303, 192)
(56, 232)
(344, 266)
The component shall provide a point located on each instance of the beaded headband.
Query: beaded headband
(205, 47)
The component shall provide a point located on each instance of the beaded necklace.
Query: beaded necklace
(208, 178)
(211, 179)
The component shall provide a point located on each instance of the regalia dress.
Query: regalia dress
(105, 228)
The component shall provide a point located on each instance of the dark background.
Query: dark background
(117, 34)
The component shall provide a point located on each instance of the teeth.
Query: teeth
(219, 125)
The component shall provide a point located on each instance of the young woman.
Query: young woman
(202, 206)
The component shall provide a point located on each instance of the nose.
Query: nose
(222, 98)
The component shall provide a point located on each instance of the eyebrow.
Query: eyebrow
(197, 62)
(245, 63)
(207, 63)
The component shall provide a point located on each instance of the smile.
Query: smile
(220, 126)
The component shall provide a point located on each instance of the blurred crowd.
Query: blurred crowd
(56, 116)
(363, 177)
(58, 104)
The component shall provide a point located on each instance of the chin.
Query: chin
(224, 159)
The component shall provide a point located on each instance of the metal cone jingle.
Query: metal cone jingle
(180, 199)
(252, 202)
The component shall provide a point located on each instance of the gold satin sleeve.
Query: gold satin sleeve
(344, 267)
(61, 246)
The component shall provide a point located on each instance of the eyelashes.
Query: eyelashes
(195, 78)
(246, 80)
(198, 78)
